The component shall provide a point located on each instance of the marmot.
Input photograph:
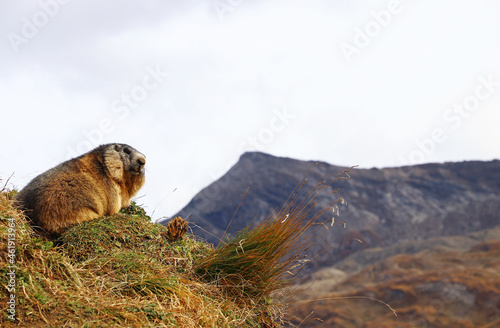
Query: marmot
(94, 184)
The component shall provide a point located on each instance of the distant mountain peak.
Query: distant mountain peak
(385, 205)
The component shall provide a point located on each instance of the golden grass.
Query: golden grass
(125, 271)
(262, 263)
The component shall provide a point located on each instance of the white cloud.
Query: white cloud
(226, 76)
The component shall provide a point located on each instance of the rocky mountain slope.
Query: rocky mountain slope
(385, 206)
(438, 283)
(423, 239)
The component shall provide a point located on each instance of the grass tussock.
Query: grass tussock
(125, 271)
(258, 261)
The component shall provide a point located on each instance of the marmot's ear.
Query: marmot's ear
(114, 164)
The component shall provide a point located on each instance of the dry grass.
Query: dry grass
(259, 262)
(125, 271)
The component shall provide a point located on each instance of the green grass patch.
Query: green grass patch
(125, 271)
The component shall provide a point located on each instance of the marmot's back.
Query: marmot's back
(97, 183)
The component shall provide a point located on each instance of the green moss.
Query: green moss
(119, 271)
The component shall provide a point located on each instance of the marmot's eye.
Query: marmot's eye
(127, 151)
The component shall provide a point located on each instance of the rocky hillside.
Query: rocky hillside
(384, 206)
(438, 283)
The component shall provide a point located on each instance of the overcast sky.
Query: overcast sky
(194, 84)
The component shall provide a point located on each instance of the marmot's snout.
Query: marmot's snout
(138, 164)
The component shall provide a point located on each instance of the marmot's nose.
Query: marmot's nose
(141, 160)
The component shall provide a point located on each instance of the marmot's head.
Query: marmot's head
(124, 161)
(133, 161)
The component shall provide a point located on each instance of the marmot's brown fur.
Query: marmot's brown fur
(94, 184)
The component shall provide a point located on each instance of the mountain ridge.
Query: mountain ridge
(385, 205)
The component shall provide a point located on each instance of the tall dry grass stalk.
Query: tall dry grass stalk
(260, 260)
